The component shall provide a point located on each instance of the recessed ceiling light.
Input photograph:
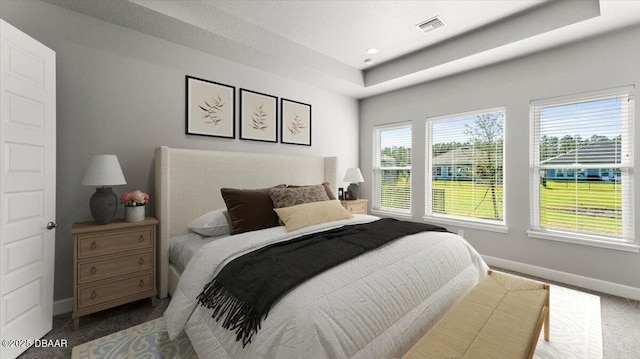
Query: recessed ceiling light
(372, 51)
(368, 61)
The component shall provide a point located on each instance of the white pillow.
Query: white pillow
(214, 223)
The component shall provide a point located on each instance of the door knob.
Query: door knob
(52, 225)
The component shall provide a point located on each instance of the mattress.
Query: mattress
(183, 247)
(376, 305)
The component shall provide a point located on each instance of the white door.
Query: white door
(27, 188)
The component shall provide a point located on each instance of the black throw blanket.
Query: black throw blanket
(247, 287)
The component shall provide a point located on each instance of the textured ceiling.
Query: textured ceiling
(344, 30)
(324, 43)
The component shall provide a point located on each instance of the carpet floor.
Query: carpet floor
(620, 326)
(575, 333)
(95, 326)
(620, 321)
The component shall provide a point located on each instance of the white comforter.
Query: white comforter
(373, 306)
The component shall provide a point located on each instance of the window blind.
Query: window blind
(582, 160)
(465, 153)
(392, 168)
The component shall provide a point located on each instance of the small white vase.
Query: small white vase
(134, 214)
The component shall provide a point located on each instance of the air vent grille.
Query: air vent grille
(431, 24)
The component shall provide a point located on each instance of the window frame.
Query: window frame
(376, 207)
(463, 221)
(626, 242)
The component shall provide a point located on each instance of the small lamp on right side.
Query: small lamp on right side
(354, 177)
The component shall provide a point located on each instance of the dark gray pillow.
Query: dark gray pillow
(291, 196)
(326, 186)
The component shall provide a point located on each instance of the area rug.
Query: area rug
(576, 333)
(576, 326)
(147, 340)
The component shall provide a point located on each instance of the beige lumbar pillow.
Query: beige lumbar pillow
(307, 214)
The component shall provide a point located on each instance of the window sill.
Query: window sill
(396, 215)
(585, 241)
(467, 224)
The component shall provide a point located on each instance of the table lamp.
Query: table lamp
(104, 171)
(354, 176)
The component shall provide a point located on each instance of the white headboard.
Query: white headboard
(188, 185)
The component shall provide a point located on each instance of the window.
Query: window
(582, 161)
(392, 169)
(471, 146)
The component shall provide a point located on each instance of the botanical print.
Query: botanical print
(295, 126)
(295, 122)
(258, 113)
(259, 119)
(210, 108)
(213, 110)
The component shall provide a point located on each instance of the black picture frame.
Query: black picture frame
(210, 108)
(295, 122)
(258, 116)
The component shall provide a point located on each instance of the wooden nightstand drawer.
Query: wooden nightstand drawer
(358, 206)
(91, 295)
(114, 266)
(96, 245)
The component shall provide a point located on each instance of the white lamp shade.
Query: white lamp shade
(353, 176)
(103, 170)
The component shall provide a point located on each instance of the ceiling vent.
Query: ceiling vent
(431, 24)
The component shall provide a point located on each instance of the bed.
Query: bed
(376, 305)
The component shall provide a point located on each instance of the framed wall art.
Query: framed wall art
(258, 114)
(210, 108)
(295, 122)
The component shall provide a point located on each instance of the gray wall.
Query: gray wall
(600, 63)
(122, 92)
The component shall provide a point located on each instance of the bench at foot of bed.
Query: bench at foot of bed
(499, 318)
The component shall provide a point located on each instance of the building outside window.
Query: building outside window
(392, 169)
(582, 166)
(465, 155)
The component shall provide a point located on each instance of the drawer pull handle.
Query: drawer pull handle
(141, 261)
(141, 283)
(94, 245)
(94, 295)
(94, 270)
(141, 239)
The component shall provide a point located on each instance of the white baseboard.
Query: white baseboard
(620, 290)
(63, 306)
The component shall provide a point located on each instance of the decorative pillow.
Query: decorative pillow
(291, 196)
(250, 209)
(214, 223)
(326, 186)
(307, 214)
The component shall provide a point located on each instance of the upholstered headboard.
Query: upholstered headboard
(188, 185)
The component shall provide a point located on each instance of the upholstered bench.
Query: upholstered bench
(500, 318)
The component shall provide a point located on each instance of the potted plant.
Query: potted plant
(134, 203)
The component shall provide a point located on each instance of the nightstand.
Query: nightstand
(113, 264)
(356, 206)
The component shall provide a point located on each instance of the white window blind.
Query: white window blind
(581, 166)
(392, 168)
(466, 163)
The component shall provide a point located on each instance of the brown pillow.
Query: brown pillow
(250, 209)
(292, 196)
(326, 186)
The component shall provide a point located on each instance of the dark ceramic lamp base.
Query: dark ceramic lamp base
(103, 204)
(353, 191)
